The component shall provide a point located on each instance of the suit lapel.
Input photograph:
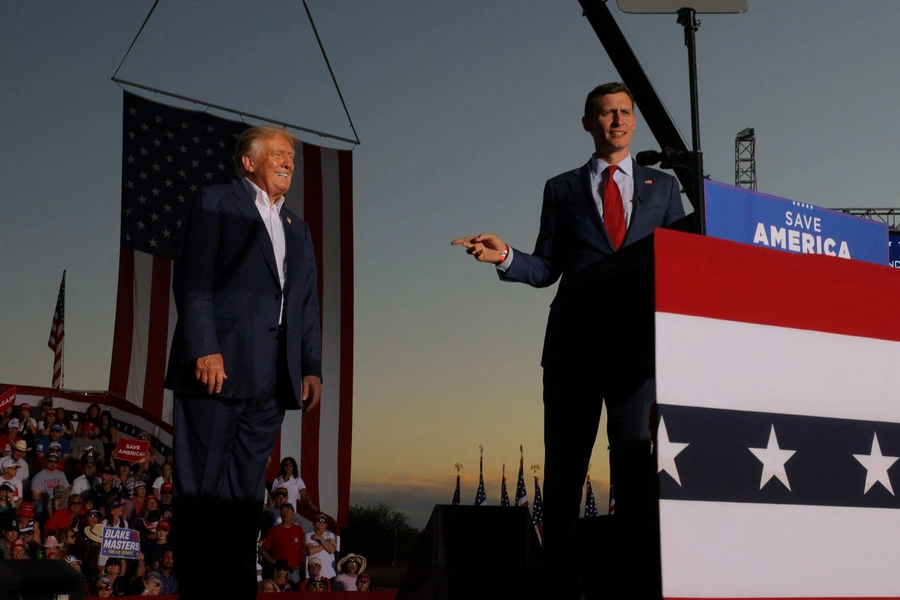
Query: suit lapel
(247, 207)
(290, 244)
(641, 190)
(581, 187)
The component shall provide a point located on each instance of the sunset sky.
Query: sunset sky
(464, 109)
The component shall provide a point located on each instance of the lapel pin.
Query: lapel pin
(288, 220)
(648, 181)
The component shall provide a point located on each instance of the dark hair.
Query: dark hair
(108, 415)
(605, 89)
(295, 472)
(87, 413)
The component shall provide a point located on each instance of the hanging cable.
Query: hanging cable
(147, 18)
(330, 71)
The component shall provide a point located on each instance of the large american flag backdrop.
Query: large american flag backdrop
(778, 424)
(168, 155)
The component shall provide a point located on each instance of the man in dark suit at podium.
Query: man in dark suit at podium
(588, 214)
(246, 348)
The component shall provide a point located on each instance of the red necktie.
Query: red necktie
(613, 209)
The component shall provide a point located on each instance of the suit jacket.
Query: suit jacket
(228, 297)
(572, 235)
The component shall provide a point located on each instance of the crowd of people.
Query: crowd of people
(61, 485)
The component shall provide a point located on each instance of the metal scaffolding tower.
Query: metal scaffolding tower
(745, 159)
(889, 216)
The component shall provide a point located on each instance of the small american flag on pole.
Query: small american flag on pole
(590, 503)
(537, 514)
(57, 334)
(521, 492)
(504, 495)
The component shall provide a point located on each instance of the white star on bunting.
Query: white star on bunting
(773, 459)
(666, 452)
(877, 466)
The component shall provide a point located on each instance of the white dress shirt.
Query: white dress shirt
(271, 218)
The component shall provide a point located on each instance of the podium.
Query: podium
(777, 419)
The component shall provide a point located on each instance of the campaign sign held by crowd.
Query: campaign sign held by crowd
(7, 398)
(894, 244)
(120, 543)
(131, 450)
(758, 219)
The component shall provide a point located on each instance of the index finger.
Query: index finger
(463, 240)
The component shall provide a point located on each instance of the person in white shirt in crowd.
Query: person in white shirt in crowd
(349, 567)
(289, 478)
(9, 474)
(86, 481)
(166, 471)
(321, 544)
(18, 454)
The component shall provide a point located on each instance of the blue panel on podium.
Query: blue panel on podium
(895, 250)
(749, 217)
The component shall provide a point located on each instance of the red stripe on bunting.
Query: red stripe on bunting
(706, 277)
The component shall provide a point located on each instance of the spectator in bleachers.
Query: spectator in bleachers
(314, 566)
(62, 417)
(282, 575)
(51, 547)
(166, 491)
(48, 419)
(93, 537)
(348, 568)
(320, 543)
(9, 475)
(44, 444)
(169, 585)
(284, 542)
(87, 439)
(27, 425)
(108, 435)
(105, 488)
(289, 478)
(19, 454)
(318, 584)
(19, 550)
(104, 588)
(362, 582)
(152, 584)
(114, 572)
(272, 515)
(148, 469)
(134, 504)
(29, 529)
(66, 538)
(166, 471)
(45, 481)
(153, 550)
(10, 529)
(9, 438)
(148, 516)
(65, 512)
(7, 506)
(73, 561)
(91, 415)
(124, 480)
(269, 586)
(87, 480)
(113, 513)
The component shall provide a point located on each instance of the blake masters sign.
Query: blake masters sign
(758, 219)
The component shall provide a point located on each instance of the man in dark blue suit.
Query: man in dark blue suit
(588, 214)
(246, 348)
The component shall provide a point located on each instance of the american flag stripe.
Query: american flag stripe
(168, 155)
(757, 343)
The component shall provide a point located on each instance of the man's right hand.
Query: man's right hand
(210, 372)
(485, 247)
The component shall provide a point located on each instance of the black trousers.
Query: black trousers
(221, 447)
(572, 407)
